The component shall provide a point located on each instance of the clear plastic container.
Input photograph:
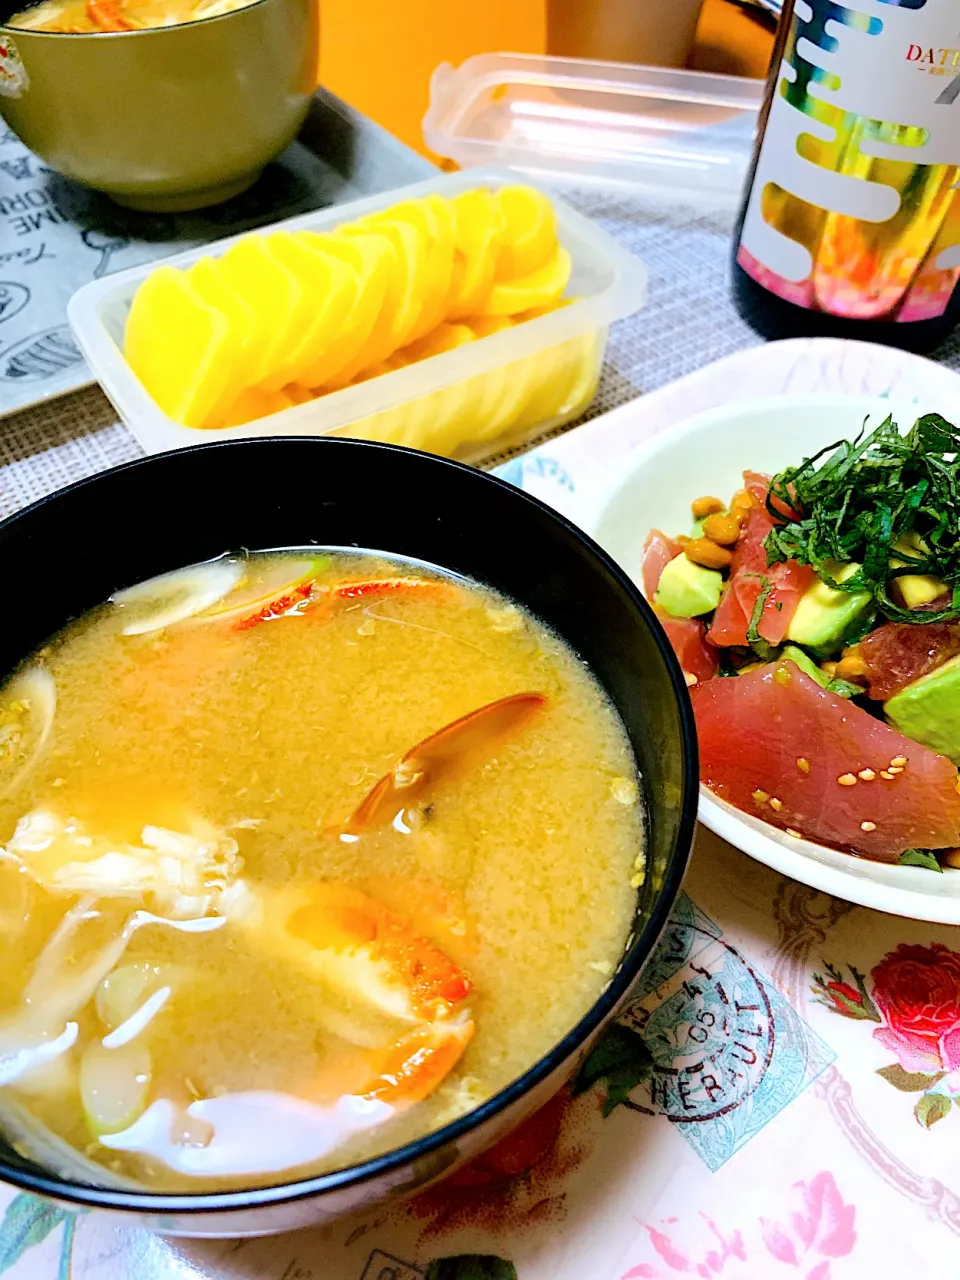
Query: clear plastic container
(586, 122)
(500, 390)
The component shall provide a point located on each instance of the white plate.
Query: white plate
(707, 454)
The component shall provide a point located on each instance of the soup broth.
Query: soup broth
(86, 17)
(306, 854)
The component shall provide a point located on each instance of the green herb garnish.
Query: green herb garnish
(753, 634)
(863, 497)
(920, 858)
(844, 688)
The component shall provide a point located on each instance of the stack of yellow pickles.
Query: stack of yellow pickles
(285, 317)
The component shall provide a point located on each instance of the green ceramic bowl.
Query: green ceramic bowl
(166, 119)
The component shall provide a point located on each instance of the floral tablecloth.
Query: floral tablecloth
(775, 1104)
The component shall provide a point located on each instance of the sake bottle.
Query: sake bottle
(850, 225)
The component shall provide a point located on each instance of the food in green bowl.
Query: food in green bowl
(165, 105)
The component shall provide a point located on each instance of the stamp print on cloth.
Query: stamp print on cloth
(707, 1043)
(384, 1266)
(914, 996)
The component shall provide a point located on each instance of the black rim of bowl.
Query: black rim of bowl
(200, 1202)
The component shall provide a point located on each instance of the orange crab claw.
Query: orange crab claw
(411, 1068)
(374, 587)
(448, 753)
(106, 15)
(361, 947)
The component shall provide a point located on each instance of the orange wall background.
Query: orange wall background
(378, 55)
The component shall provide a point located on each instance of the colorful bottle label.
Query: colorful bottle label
(853, 209)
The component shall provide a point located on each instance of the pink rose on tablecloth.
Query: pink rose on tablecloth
(917, 990)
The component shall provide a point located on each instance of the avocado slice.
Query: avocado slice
(687, 589)
(920, 588)
(806, 664)
(825, 615)
(929, 710)
(916, 588)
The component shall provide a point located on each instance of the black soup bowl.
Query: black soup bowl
(175, 509)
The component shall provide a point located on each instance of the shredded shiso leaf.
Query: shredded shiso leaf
(854, 500)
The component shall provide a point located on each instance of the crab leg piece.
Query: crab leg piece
(449, 753)
(375, 587)
(106, 15)
(411, 1068)
(362, 949)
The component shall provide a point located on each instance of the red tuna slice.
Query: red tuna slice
(688, 638)
(658, 551)
(898, 653)
(749, 576)
(776, 735)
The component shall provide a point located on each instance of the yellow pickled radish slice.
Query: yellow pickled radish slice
(372, 259)
(178, 346)
(254, 403)
(480, 227)
(386, 426)
(396, 361)
(530, 232)
(551, 374)
(496, 396)
(535, 313)
(207, 279)
(253, 270)
(430, 421)
(484, 326)
(538, 289)
(506, 396)
(401, 308)
(569, 384)
(296, 393)
(588, 363)
(431, 216)
(330, 286)
(507, 390)
(114, 1085)
(445, 337)
(445, 223)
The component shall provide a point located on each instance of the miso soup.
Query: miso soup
(87, 17)
(302, 855)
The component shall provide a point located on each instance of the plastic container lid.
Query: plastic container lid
(596, 123)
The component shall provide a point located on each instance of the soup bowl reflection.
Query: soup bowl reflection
(165, 118)
(178, 508)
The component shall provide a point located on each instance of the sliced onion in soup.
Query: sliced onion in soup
(33, 1139)
(269, 581)
(122, 992)
(174, 597)
(114, 1084)
(28, 705)
(130, 997)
